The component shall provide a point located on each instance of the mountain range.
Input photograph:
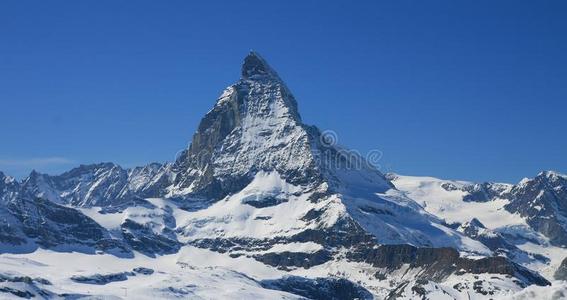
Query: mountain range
(262, 205)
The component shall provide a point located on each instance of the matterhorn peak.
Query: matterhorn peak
(255, 126)
(254, 66)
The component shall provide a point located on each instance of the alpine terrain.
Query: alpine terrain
(263, 206)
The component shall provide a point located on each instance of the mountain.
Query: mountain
(523, 222)
(255, 126)
(102, 185)
(542, 202)
(268, 207)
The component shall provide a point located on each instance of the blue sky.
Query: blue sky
(472, 90)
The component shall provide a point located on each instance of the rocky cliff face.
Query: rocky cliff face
(29, 223)
(561, 272)
(101, 185)
(9, 187)
(543, 202)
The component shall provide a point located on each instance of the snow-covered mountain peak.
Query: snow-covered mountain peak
(255, 126)
(6, 179)
(8, 187)
(474, 222)
(254, 66)
(552, 175)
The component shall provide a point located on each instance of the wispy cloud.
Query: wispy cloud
(35, 162)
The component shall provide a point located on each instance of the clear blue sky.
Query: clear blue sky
(472, 90)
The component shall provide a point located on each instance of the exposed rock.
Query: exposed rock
(55, 226)
(438, 263)
(497, 242)
(23, 287)
(285, 260)
(542, 201)
(104, 184)
(143, 271)
(102, 279)
(561, 272)
(142, 238)
(319, 289)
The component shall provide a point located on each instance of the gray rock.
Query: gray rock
(543, 202)
(53, 226)
(319, 289)
(102, 279)
(143, 271)
(561, 272)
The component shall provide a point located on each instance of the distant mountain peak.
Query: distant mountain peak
(476, 222)
(552, 174)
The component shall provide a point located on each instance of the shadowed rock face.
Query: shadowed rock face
(497, 242)
(482, 192)
(439, 263)
(102, 279)
(24, 287)
(319, 289)
(256, 66)
(8, 188)
(143, 239)
(543, 202)
(285, 260)
(98, 185)
(561, 273)
(53, 226)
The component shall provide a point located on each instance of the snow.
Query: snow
(193, 273)
(308, 247)
(428, 192)
(107, 220)
(396, 219)
(553, 174)
(557, 291)
(403, 221)
(233, 218)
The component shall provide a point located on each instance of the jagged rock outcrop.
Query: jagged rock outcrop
(498, 243)
(561, 272)
(29, 223)
(319, 288)
(543, 202)
(103, 185)
(9, 187)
